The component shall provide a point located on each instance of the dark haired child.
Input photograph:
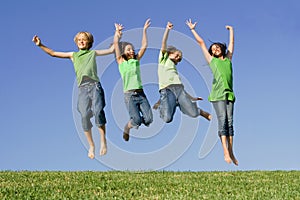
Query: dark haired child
(221, 95)
(129, 67)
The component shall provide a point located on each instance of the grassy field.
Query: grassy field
(150, 185)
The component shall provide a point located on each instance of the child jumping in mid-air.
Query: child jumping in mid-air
(129, 67)
(90, 92)
(221, 95)
(171, 89)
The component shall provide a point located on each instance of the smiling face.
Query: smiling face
(216, 51)
(84, 40)
(175, 56)
(129, 51)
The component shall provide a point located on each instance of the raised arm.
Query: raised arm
(231, 42)
(144, 40)
(49, 51)
(165, 37)
(199, 39)
(117, 37)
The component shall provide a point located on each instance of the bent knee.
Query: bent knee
(87, 115)
(194, 115)
(167, 119)
(147, 122)
(136, 121)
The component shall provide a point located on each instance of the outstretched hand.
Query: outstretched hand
(36, 40)
(119, 28)
(190, 24)
(147, 24)
(228, 27)
(169, 25)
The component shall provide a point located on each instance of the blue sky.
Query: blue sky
(39, 122)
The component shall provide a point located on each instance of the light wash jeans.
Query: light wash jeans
(224, 112)
(91, 103)
(173, 96)
(139, 108)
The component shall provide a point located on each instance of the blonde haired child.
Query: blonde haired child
(91, 100)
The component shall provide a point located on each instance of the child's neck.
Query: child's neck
(220, 57)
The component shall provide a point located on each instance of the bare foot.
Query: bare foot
(227, 158)
(126, 133)
(91, 153)
(103, 149)
(156, 105)
(126, 136)
(234, 160)
(206, 115)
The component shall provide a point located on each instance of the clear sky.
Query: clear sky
(40, 127)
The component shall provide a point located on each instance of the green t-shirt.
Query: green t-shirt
(222, 85)
(85, 65)
(167, 71)
(131, 75)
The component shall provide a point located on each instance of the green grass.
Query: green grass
(150, 185)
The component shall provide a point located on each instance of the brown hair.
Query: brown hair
(172, 49)
(122, 46)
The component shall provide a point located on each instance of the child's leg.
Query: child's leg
(190, 108)
(229, 111)
(132, 105)
(89, 138)
(156, 105)
(205, 114)
(167, 105)
(146, 110)
(126, 131)
(84, 109)
(98, 104)
(225, 149)
(103, 146)
(230, 150)
(135, 119)
(134, 112)
(220, 108)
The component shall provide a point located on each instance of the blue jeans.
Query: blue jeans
(224, 112)
(139, 108)
(91, 103)
(173, 96)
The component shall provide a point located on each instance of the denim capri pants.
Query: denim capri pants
(173, 96)
(224, 112)
(91, 103)
(139, 109)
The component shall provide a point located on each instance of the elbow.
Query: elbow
(200, 42)
(53, 54)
